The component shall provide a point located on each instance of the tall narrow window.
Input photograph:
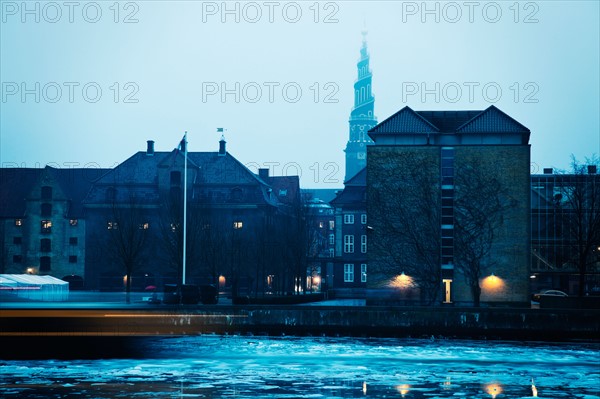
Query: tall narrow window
(363, 273)
(363, 218)
(46, 226)
(348, 218)
(349, 244)
(348, 272)
(363, 244)
(331, 239)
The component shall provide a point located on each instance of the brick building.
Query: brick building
(448, 202)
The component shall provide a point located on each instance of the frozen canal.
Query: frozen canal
(310, 367)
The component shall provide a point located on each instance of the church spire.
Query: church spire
(362, 116)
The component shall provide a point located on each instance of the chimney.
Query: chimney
(263, 173)
(222, 143)
(592, 169)
(548, 171)
(150, 148)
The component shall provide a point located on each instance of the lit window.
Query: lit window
(144, 226)
(363, 244)
(321, 225)
(73, 222)
(46, 226)
(348, 218)
(331, 225)
(363, 273)
(282, 193)
(73, 240)
(238, 225)
(331, 239)
(348, 273)
(174, 227)
(363, 218)
(349, 244)
(18, 222)
(112, 225)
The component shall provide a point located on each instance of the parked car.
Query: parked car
(536, 297)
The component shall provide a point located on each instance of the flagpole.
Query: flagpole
(184, 202)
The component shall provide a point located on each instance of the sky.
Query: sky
(85, 84)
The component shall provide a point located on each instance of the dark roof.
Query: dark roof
(359, 179)
(355, 191)
(288, 184)
(490, 120)
(323, 194)
(15, 186)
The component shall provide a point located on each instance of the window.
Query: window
(321, 225)
(282, 193)
(363, 218)
(17, 259)
(349, 244)
(45, 245)
(331, 252)
(73, 259)
(363, 273)
(45, 264)
(17, 240)
(46, 226)
(331, 239)
(238, 225)
(363, 244)
(174, 227)
(144, 226)
(46, 209)
(175, 178)
(72, 240)
(18, 222)
(348, 273)
(112, 225)
(46, 193)
(348, 218)
(331, 225)
(73, 222)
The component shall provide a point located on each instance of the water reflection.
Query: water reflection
(249, 367)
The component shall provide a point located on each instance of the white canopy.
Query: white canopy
(32, 286)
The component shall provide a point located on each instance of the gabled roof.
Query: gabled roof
(75, 184)
(359, 179)
(490, 120)
(405, 121)
(354, 192)
(15, 186)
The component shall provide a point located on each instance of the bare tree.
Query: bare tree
(127, 236)
(405, 206)
(578, 203)
(479, 204)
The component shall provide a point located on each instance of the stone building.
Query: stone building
(448, 199)
(350, 267)
(43, 221)
(238, 224)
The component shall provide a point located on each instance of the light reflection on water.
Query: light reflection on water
(316, 367)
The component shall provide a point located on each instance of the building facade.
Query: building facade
(565, 229)
(43, 221)
(351, 266)
(448, 200)
(362, 116)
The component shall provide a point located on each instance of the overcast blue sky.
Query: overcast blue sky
(162, 67)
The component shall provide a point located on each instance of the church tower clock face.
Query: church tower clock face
(362, 117)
